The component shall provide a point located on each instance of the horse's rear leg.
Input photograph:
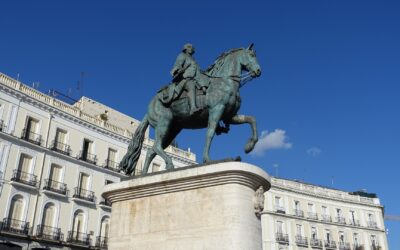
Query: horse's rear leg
(149, 157)
(161, 132)
(240, 119)
(213, 118)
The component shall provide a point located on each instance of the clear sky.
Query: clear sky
(327, 103)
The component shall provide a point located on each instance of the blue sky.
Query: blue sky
(328, 97)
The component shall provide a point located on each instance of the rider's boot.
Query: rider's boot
(192, 99)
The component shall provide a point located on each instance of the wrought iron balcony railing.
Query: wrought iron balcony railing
(61, 148)
(354, 222)
(340, 220)
(84, 194)
(31, 137)
(112, 165)
(330, 244)
(298, 213)
(15, 226)
(344, 245)
(372, 224)
(102, 242)
(79, 238)
(91, 158)
(316, 243)
(280, 209)
(326, 218)
(301, 240)
(49, 233)
(282, 238)
(25, 178)
(312, 216)
(55, 186)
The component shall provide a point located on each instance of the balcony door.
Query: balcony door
(24, 168)
(48, 220)
(16, 208)
(111, 158)
(32, 126)
(55, 173)
(105, 227)
(83, 181)
(86, 148)
(78, 225)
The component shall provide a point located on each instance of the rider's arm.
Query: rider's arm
(180, 61)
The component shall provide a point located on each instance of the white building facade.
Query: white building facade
(55, 160)
(305, 216)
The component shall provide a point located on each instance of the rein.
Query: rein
(245, 78)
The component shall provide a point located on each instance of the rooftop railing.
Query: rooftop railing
(25, 178)
(49, 233)
(55, 186)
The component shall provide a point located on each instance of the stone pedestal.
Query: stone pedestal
(200, 207)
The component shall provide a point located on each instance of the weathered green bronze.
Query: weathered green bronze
(214, 104)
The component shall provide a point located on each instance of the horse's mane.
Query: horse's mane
(219, 62)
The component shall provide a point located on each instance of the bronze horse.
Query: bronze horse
(221, 103)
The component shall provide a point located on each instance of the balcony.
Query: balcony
(55, 186)
(61, 148)
(25, 178)
(15, 226)
(316, 243)
(372, 224)
(112, 165)
(78, 238)
(376, 246)
(344, 245)
(105, 203)
(301, 241)
(280, 209)
(84, 194)
(31, 137)
(91, 158)
(102, 242)
(298, 213)
(49, 233)
(326, 218)
(358, 247)
(340, 220)
(282, 238)
(312, 216)
(354, 223)
(330, 244)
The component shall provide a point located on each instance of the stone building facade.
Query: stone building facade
(55, 160)
(298, 215)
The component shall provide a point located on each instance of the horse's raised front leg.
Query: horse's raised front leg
(240, 119)
(213, 119)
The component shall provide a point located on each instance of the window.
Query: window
(49, 216)
(78, 224)
(277, 201)
(55, 173)
(279, 227)
(313, 233)
(296, 205)
(324, 210)
(61, 136)
(352, 217)
(339, 212)
(16, 208)
(341, 237)
(105, 227)
(83, 181)
(25, 162)
(311, 208)
(155, 167)
(373, 240)
(86, 149)
(32, 125)
(298, 230)
(328, 235)
(355, 239)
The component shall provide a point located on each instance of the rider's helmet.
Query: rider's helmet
(188, 46)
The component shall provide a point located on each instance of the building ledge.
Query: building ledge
(52, 193)
(79, 200)
(23, 185)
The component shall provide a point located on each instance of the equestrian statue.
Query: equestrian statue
(196, 99)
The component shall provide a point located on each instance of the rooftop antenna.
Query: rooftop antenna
(276, 166)
(35, 85)
(79, 85)
(17, 77)
(332, 177)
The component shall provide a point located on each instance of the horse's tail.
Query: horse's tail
(128, 163)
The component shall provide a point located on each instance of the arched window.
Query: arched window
(78, 224)
(16, 208)
(105, 227)
(49, 215)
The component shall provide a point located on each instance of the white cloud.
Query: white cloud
(314, 151)
(274, 140)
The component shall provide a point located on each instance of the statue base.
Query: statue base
(197, 207)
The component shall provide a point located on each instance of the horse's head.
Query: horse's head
(248, 61)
